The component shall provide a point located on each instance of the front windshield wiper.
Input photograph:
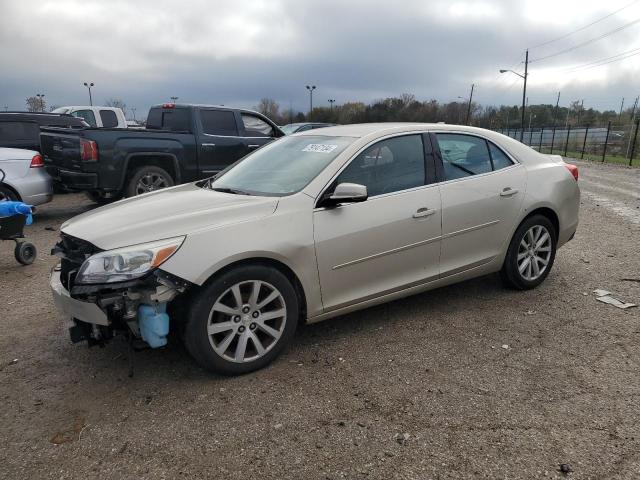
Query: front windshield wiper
(234, 191)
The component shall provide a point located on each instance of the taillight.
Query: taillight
(573, 169)
(168, 105)
(37, 161)
(88, 150)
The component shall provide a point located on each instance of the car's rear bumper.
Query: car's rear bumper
(35, 188)
(72, 308)
(73, 180)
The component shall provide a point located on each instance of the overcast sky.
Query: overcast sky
(236, 52)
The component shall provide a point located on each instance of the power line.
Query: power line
(584, 27)
(610, 61)
(595, 62)
(611, 32)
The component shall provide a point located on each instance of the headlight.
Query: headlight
(129, 263)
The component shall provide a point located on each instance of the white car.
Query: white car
(309, 227)
(97, 117)
(25, 178)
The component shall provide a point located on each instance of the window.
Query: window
(255, 127)
(499, 159)
(463, 155)
(388, 166)
(14, 131)
(109, 118)
(87, 116)
(219, 122)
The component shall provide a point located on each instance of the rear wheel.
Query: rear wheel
(531, 254)
(7, 194)
(242, 320)
(148, 179)
(25, 252)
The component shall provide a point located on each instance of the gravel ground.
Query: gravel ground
(468, 381)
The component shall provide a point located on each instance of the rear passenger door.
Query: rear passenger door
(482, 191)
(87, 116)
(219, 141)
(256, 131)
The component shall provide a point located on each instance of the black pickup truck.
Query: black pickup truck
(180, 144)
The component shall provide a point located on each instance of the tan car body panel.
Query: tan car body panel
(222, 229)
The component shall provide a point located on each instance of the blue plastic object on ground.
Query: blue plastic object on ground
(9, 209)
(154, 324)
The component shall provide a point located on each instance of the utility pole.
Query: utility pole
(331, 102)
(580, 111)
(524, 92)
(469, 107)
(89, 85)
(555, 112)
(621, 105)
(311, 88)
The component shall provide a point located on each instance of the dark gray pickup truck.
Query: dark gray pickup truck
(181, 143)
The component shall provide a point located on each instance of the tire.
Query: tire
(8, 194)
(25, 253)
(148, 178)
(219, 349)
(524, 266)
(100, 198)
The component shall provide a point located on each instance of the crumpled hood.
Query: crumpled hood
(163, 214)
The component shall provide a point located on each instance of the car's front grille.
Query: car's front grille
(73, 252)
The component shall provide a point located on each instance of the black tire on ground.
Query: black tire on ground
(148, 178)
(25, 253)
(196, 336)
(7, 194)
(510, 274)
(101, 198)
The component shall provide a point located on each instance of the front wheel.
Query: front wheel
(148, 178)
(531, 254)
(242, 320)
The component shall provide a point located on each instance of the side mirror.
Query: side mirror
(345, 193)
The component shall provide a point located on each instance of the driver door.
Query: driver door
(389, 242)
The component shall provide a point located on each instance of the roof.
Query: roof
(365, 129)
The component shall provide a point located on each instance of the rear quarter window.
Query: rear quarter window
(174, 119)
(109, 118)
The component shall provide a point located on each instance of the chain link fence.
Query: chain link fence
(610, 143)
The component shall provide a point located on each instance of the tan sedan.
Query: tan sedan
(310, 227)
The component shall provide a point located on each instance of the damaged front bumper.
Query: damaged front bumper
(137, 309)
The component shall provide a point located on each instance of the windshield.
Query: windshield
(289, 129)
(282, 167)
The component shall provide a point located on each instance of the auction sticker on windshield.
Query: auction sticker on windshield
(319, 148)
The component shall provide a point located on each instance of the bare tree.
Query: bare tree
(116, 103)
(270, 108)
(36, 104)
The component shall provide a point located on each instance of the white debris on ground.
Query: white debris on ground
(604, 296)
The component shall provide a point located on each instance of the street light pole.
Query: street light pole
(311, 89)
(331, 102)
(89, 85)
(40, 101)
(133, 109)
(173, 99)
(524, 90)
(469, 107)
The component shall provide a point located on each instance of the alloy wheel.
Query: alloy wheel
(151, 182)
(534, 253)
(247, 321)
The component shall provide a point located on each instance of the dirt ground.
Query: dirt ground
(484, 382)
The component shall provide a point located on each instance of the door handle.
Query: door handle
(253, 146)
(208, 145)
(508, 191)
(424, 212)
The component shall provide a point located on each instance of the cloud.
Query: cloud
(237, 52)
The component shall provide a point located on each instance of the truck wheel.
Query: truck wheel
(242, 320)
(148, 179)
(100, 198)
